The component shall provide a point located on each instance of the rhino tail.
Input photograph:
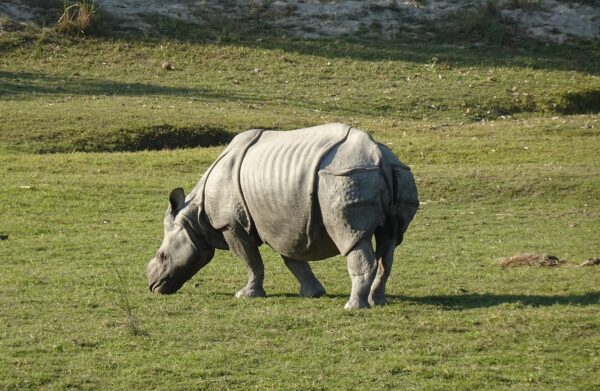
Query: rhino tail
(405, 198)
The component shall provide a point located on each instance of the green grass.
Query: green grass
(499, 173)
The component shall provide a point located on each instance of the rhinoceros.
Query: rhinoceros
(309, 194)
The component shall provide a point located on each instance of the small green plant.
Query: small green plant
(131, 321)
(78, 17)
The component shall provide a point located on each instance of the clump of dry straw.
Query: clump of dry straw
(531, 260)
(591, 262)
(77, 17)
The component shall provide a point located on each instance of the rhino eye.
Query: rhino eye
(161, 256)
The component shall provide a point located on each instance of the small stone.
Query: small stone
(167, 66)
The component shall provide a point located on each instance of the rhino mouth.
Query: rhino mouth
(158, 286)
(164, 286)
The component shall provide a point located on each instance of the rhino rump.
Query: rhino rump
(353, 205)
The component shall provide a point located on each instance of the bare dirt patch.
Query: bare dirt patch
(550, 20)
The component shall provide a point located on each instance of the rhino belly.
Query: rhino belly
(277, 180)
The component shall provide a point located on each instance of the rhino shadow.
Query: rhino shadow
(476, 300)
(486, 300)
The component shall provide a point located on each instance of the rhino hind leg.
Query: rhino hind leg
(386, 239)
(250, 255)
(362, 267)
(384, 267)
(310, 286)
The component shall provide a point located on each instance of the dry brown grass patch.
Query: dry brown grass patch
(77, 17)
(591, 262)
(531, 260)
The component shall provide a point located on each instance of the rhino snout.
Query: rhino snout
(155, 280)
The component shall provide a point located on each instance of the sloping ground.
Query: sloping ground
(544, 19)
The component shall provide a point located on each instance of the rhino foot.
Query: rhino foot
(250, 292)
(315, 290)
(354, 304)
(378, 300)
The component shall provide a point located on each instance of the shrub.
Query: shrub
(482, 23)
(78, 17)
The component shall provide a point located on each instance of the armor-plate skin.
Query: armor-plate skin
(308, 194)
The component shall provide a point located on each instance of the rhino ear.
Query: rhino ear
(176, 200)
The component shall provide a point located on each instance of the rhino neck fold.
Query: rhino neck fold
(199, 226)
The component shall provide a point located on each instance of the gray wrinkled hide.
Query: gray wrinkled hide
(274, 184)
(309, 194)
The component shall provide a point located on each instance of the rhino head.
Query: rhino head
(183, 252)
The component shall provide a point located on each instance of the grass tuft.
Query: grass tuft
(131, 321)
(77, 18)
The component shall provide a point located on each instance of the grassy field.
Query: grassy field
(504, 144)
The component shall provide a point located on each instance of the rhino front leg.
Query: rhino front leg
(309, 284)
(254, 263)
(362, 267)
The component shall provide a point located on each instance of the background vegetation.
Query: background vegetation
(503, 140)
